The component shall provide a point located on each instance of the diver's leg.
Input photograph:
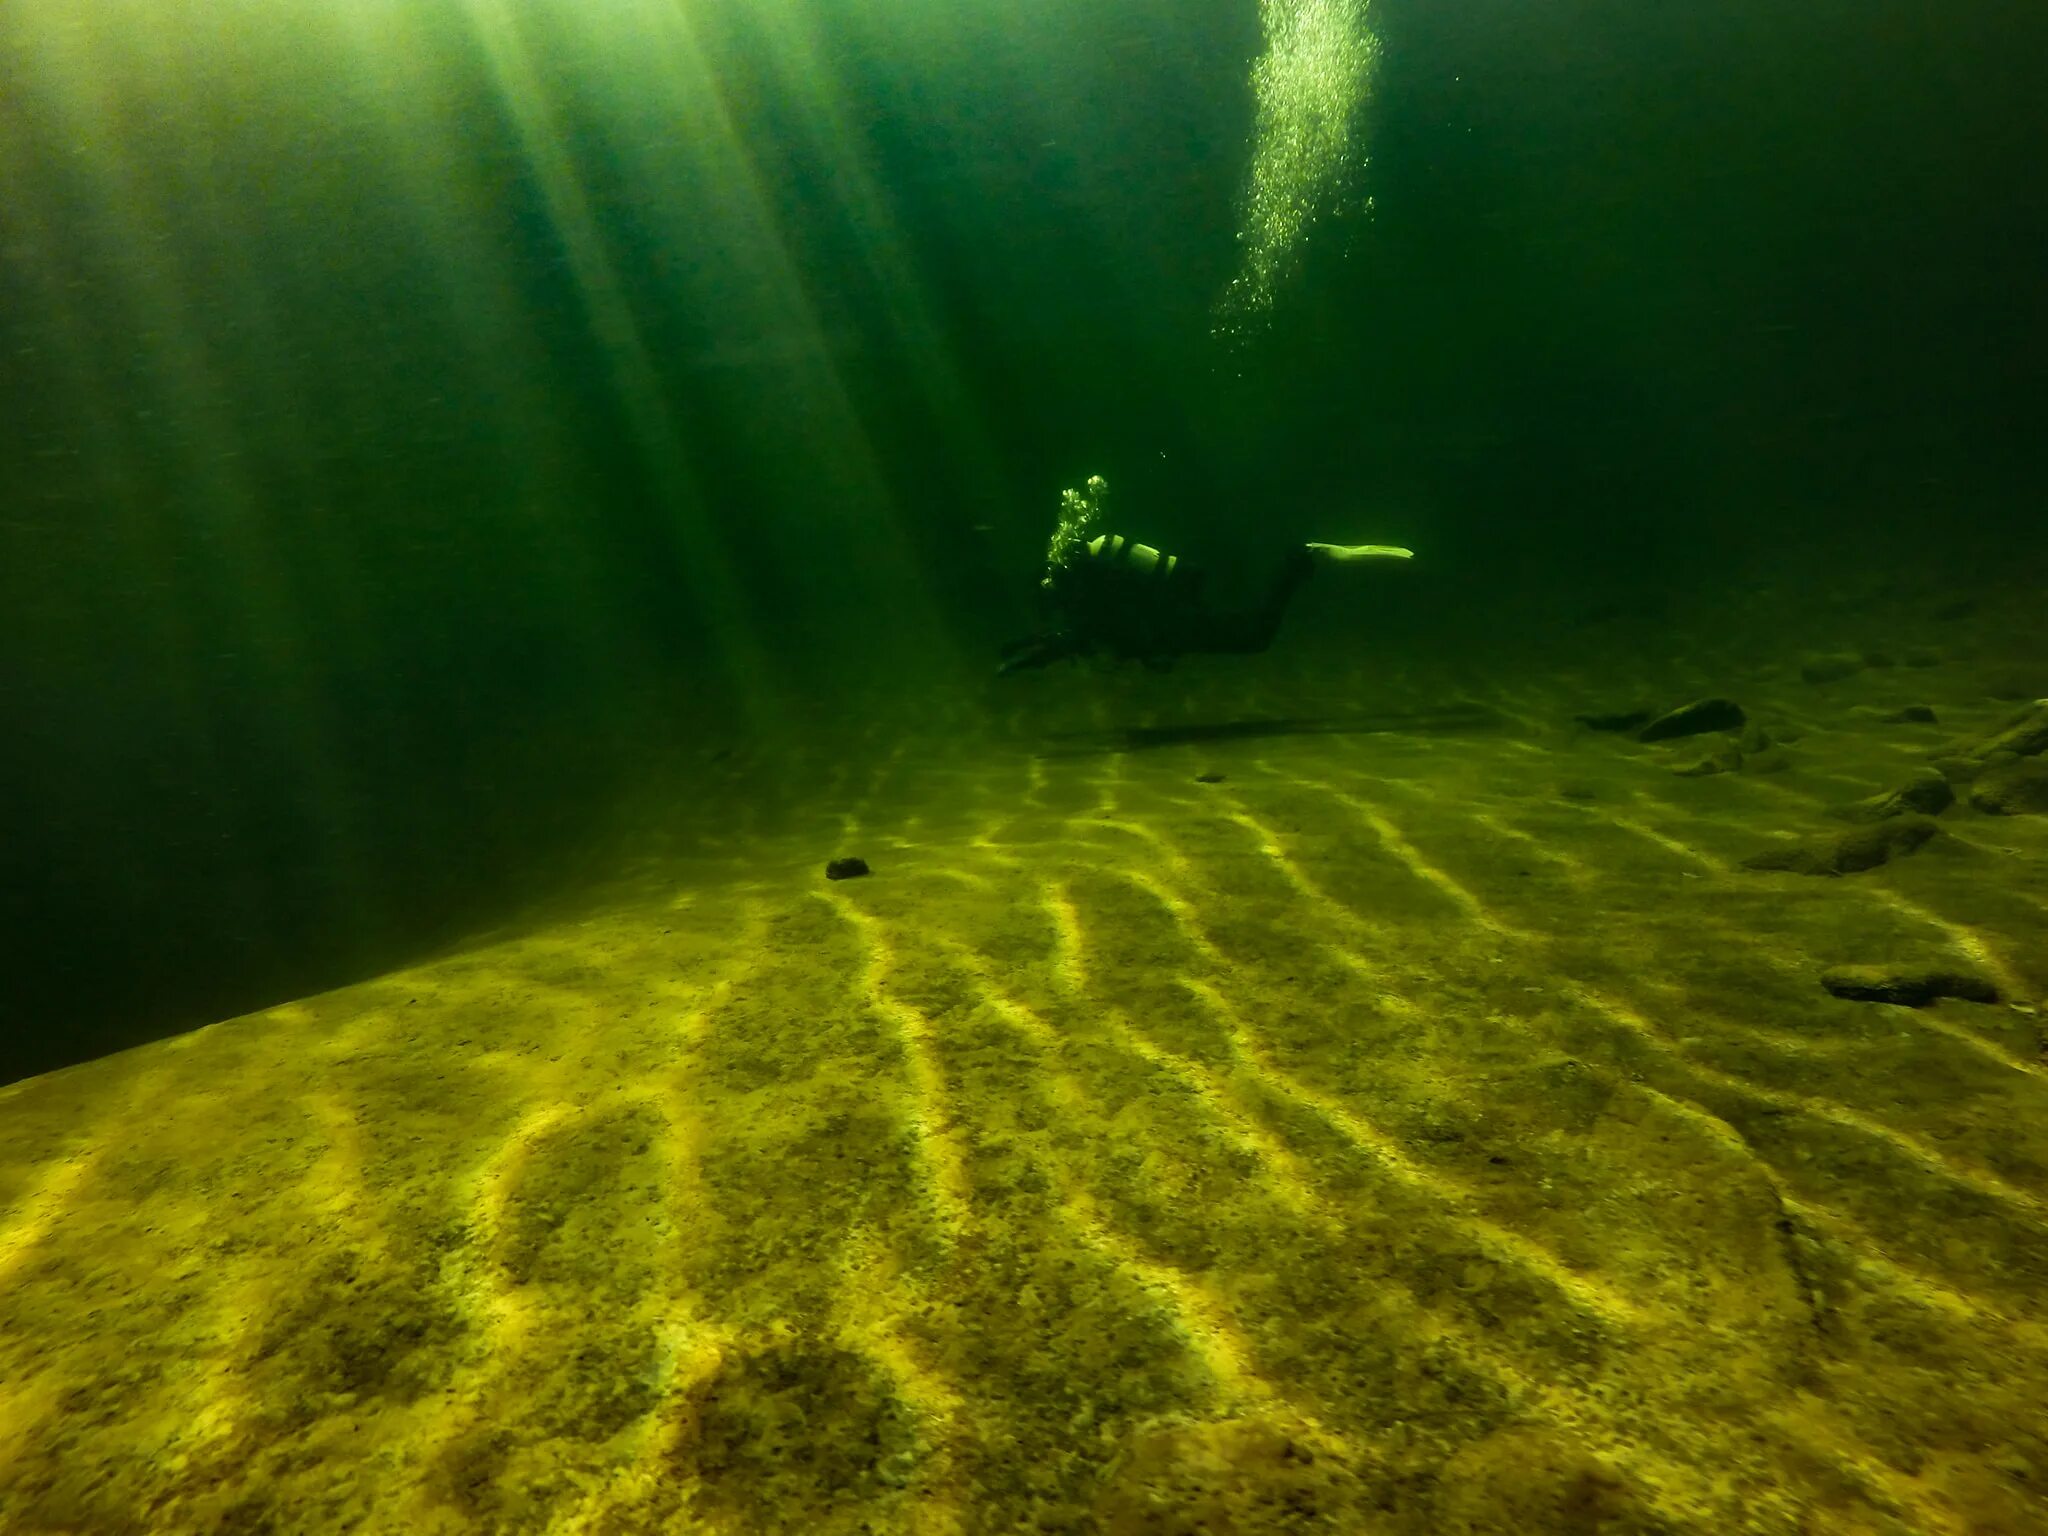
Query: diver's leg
(1253, 629)
(1167, 628)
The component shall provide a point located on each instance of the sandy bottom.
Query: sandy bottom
(1428, 1126)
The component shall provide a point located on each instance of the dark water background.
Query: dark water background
(409, 465)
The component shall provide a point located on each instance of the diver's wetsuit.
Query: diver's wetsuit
(1129, 601)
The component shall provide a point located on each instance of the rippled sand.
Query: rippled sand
(1426, 1127)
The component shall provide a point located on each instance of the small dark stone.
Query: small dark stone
(1728, 760)
(1921, 656)
(1914, 987)
(1959, 771)
(2017, 788)
(1927, 792)
(1912, 714)
(1211, 777)
(1961, 608)
(1770, 760)
(1830, 667)
(1616, 720)
(846, 869)
(1871, 846)
(1694, 719)
(1852, 852)
(1754, 738)
(2023, 733)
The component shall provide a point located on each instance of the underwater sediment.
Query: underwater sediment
(1407, 1121)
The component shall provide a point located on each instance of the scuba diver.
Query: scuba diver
(1110, 596)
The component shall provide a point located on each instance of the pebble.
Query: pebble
(1695, 719)
(1912, 986)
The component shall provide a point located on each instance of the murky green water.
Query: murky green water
(494, 494)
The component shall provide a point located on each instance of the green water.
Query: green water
(436, 433)
(496, 494)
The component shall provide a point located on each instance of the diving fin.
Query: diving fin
(1343, 554)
